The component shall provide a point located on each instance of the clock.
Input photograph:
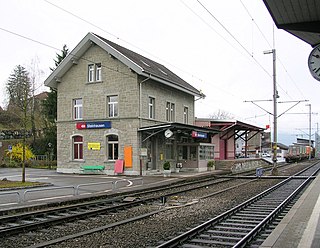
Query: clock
(168, 133)
(314, 62)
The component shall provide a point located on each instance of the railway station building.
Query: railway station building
(124, 112)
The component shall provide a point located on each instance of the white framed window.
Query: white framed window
(113, 147)
(98, 72)
(91, 73)
(77, 148)
(77, 109)
(94, 72)
(151, 106)
(185, 115)
(170, 111)
(173, 112)
(113, 108)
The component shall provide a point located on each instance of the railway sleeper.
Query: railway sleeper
(216, 232)
(225, 238)
(247, 215)
(256, 211)
(232, 229)
(243, 221)
(212, 242)
(253, 208)
(241, 218)
(237, 224)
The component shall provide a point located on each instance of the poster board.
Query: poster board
(128, 156)
(118, 166)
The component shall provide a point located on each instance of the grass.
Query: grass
(5, 184)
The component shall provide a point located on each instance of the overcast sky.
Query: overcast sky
(217, 46)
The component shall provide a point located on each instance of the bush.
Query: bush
(166, 165)
(211, 163)
(17, 153)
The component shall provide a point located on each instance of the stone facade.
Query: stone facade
(133, 93)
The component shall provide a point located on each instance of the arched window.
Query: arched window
(77, 144)
(113, 147)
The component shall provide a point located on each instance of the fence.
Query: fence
(14, 197)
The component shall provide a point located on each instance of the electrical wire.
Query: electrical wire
(246, 50)
(270, 46)
(57, 49)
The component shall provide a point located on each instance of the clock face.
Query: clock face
(314, 62)
(168, 133)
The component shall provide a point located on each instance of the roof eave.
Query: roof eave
(171, 84)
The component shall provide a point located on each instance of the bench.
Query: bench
(92, 168)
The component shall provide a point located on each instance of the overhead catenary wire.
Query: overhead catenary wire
(118, 38)
(57, 49)
(270, 46)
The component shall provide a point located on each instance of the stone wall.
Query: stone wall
(239, 165)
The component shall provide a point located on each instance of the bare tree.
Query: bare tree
(221, 115)
(35, 75)
(19, 90)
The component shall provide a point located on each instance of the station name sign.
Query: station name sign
(93, 125)
(196, 134)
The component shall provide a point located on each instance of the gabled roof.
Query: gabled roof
(136, 62)
(298, 17)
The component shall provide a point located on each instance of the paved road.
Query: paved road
(64, 186)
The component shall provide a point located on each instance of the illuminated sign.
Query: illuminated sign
(93, 125)
(199, 135)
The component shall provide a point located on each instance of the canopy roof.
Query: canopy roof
(300, 18)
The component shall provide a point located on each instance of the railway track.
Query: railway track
(10, 225)
(241, 225)
(16, 223)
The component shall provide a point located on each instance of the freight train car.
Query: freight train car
(298, 152)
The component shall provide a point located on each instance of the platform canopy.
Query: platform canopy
(300, 18)
(178, 128)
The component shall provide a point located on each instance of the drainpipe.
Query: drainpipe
(140, 98)
(140, 118)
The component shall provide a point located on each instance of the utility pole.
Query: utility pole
(309, 129)
(275, 115)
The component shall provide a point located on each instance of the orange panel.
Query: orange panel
(128, 156)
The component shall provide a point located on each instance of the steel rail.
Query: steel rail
(240, 242)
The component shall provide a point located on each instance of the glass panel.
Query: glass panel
(169, 151)
(151, 107)
(112, 138)
(116, 148)
(110, 152)
(113, 106)
(185, 115)
(193, 153)
(77, 139)
(90, 72)
(80, 151)
(172, 111)
(98, 72)
(75, 151)
(184, 152)
(168, 111)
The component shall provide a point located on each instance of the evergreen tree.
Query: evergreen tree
(50, 109)
(19, 88)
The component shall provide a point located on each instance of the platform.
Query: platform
(301, 226)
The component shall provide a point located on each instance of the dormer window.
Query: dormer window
(94, 72)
